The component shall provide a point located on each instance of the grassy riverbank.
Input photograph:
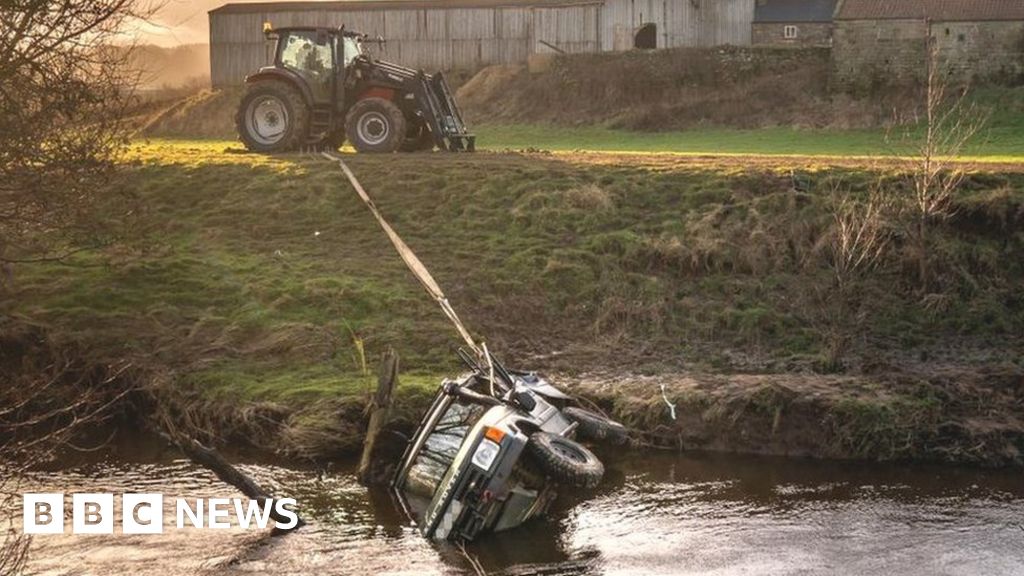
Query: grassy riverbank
(249, 280)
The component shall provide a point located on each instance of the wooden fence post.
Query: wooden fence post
(380, 412)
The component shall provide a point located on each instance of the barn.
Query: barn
(880, 41)
(469, 34)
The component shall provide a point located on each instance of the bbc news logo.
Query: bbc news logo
(144, 513)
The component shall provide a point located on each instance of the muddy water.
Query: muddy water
(655, 514)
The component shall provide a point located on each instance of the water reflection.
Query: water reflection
(655, 514)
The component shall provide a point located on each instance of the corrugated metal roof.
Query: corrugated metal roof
(942, 10)
(794, 10)
(343, 5)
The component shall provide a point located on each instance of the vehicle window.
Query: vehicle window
(302, 53)
(313, 61)
(352, 49)
(440, 449)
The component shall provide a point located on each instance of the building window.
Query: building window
(790, 32)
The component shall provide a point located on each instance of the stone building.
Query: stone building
(793, 22)
(882, 41)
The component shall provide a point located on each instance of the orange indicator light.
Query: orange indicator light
(494, 434)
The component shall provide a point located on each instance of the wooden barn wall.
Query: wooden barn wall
(570, 29)
(679, 22)
(445, 39)
(431, 39)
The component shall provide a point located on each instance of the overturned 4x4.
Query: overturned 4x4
(492, 452)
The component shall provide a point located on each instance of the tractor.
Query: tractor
(324, 88)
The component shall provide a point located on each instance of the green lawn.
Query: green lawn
(1003, 142)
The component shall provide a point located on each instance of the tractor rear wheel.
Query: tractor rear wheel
(375, 125)
(272, 117)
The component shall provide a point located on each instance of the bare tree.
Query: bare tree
(63, 91)
(853, 246)
(950, 123)
(48, 395)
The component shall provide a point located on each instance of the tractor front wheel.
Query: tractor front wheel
(272, 117)
(375, 125)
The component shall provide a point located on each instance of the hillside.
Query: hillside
(163, 68)
(679, 89)
(255, 280)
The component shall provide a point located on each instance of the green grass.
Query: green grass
(258, 278)
(296, 384)
(1002, 143)
(999, 143)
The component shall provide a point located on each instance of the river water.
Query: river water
(655, 514)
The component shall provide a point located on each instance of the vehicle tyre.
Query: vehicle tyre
(419, 139)
(375, 125)
(593, 426)
(565, 460)
(272, 117)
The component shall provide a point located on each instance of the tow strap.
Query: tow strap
(410, 259)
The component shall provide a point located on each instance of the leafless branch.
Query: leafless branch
(950, 123)
(50, 393)
(64, 88)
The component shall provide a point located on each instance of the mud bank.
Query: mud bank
(946, 415)
(950, 415)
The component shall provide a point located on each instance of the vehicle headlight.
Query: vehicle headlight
(485, 454)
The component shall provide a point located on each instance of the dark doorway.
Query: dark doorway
(646, 37)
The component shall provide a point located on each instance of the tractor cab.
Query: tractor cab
(319, 56)
(323, 88)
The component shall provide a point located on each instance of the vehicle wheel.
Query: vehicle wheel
(375, 125)
(593, 426)
(565, 460)
(272, 117)
(419, 139)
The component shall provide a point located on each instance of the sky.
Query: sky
(177, 22)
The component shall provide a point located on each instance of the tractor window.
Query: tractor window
(314, 61)
(352, 49)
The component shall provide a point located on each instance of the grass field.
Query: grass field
(247, 279)
(256, 278)
(999, 142)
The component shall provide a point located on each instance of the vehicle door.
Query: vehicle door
(310, 54)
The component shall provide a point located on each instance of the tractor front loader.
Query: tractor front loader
(324, 89)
